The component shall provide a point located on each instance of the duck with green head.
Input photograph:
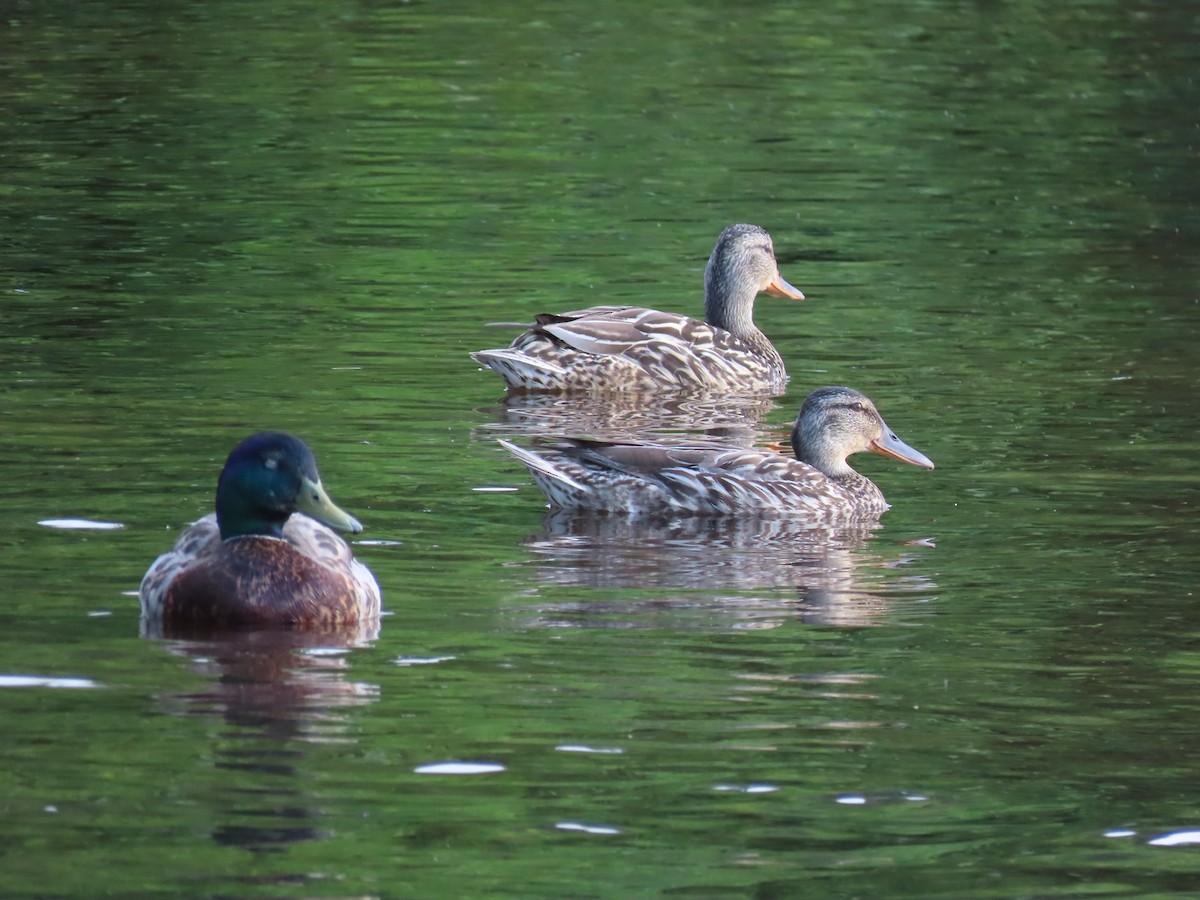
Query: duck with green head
(253, 562)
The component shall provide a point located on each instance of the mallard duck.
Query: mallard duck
(817, 487)
(632, 348)
(253, 562)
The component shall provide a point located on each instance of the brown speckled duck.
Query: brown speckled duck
(253, 562)
(622, 348)
(816, 487)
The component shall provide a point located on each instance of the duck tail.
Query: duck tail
(560, 488)
(521, 371)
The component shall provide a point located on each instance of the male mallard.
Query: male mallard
(631, 348)
(254, 563)
(817, 487)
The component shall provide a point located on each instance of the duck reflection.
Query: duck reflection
(278, 692)
(732, 418)
(758, 571)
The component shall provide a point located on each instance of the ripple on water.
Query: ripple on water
(456, 767)
(80, 525)
(22, 681)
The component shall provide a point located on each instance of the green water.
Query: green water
(224, 217)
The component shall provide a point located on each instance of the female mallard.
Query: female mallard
(817, 487)
(254, 563)
(632, 348)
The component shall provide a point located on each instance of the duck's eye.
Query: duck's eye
(857, 406)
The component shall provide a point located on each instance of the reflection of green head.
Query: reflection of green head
(266, 478)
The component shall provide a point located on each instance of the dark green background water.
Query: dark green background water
(228, 216)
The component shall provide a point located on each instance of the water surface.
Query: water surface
(303, 215)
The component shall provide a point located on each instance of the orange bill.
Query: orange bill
(780, 288)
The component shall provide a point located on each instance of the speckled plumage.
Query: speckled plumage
(818, 487)
(633, 348)
(293, 570)
(308, 577)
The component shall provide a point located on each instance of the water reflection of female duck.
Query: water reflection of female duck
(254, 563)
(818, 487)
(741, 569)
(696, 553)
(727, 417)
(629, 347)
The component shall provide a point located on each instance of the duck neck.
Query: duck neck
(833, 465)
(812, 447)
(237, 518)
(729, 304)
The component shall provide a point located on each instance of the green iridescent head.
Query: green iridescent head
(266, 478)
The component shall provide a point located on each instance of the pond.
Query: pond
(304, 215)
